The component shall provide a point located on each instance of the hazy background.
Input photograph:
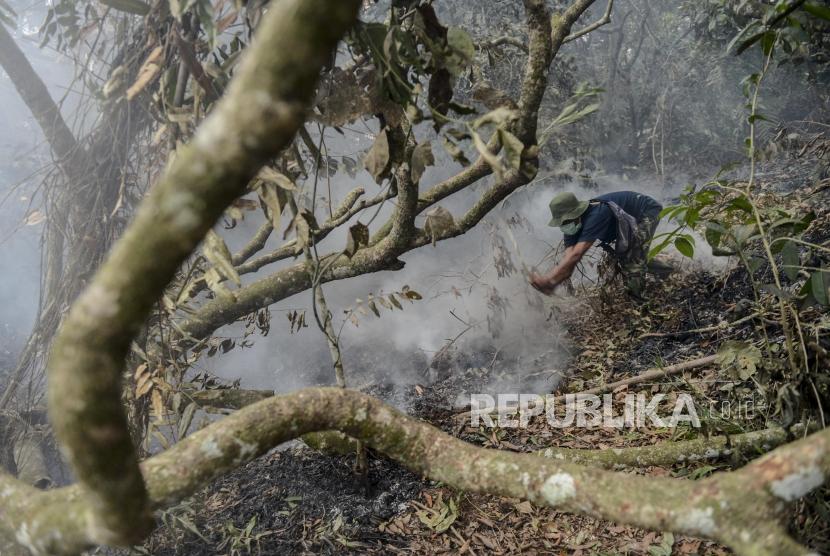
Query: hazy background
(458, 279)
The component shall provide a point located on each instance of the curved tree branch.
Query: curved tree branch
(740, 509)
(264, 106)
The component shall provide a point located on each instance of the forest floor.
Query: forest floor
(298, 500)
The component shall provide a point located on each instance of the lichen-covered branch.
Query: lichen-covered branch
(349, 207)
(265, 104)
(670, 453)
(740, 509)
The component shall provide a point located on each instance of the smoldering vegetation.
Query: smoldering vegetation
(670, 112)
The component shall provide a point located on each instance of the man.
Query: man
(600, 219)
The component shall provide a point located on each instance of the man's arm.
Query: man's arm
(546, 283)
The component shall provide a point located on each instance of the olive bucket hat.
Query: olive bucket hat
(565, 206)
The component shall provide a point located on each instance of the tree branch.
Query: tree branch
(265, 104)
(604, 20)
(670, 453)
(739, 509)
(36, 96)
(382, 254)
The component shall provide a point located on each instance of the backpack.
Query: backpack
(627, 230)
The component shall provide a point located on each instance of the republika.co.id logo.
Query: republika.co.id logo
(582, 410)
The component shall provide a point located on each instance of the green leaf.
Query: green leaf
(817, 10)
(685, 247)
(713, 234)
(462, 50)
(791, 258)
(377, 159)
(819, 285)
(740, 203)
(657, 249)
(768, 42)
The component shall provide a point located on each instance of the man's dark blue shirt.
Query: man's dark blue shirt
(599, 223)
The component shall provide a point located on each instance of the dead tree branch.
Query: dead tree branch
(604, 20)
(651, 374)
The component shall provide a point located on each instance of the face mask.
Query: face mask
(571, 228)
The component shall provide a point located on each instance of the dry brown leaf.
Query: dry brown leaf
(147, 73)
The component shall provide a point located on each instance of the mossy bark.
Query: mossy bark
(741, 509)
(264, 106)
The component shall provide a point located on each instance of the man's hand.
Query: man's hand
(541, 284)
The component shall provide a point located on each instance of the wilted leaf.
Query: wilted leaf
(439, 96)
(377, 159)
(412, 295)
(305, 224)
(187, 419)
(739, 358)
(268, 174)
(34, 218)
(491, 159)
(455, 151)
(274, 198)
(358, 236)
(440, 517)
(216, 251)
(370, 302)
(147, 73)
(438, 222)
(158, 404)
(499, 117)
(513, 148)
(421, 158)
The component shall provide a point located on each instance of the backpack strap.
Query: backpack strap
(627, 236)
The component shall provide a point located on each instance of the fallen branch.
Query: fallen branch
(651, 374)
(670, 453)
(714, 328)
(740, 509)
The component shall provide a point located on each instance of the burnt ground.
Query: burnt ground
(300, 501)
